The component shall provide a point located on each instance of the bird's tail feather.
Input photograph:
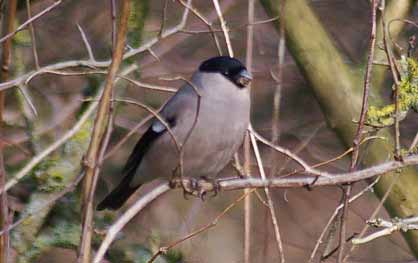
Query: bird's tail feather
(117, 197)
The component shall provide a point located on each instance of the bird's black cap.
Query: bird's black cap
(230, 67)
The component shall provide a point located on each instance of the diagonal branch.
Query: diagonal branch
(29, 21)
(100, 125)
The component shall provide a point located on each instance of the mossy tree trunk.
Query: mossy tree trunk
(338, 90)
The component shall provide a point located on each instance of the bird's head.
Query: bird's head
(230, 68)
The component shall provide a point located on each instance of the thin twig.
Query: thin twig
(389, 227)
(164, 18)
(113, 19)
(127, 216)
(135, 82)
(414, 143)
(157, 116)
(29, 21)
(100, 124)
(206, 227)
(24, 92)
(26, 78)
(374, 214)
(302, 145)
(269, 200)
(334, 215)
(126, 137)
(206, 22)
(335, 158)
(32, 35)
(86, 43)
(395, 72)
(360, 127)
(247, 147)
(224, 27)
(308, 169)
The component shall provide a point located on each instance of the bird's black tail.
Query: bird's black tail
(117, 197)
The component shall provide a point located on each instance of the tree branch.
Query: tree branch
(100, 125)
(242, 183)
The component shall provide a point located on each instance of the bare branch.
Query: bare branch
(99, 130)
(127, 216)
(32, 35)
(269, 200)
(334, 215)
(306, 167)
(374, 213)
(86, 43)
(360, 127)
(224, 28)
(26, 78)
(206, 21)
(29, 21)
(199, 230)
(389, 227)
(414, 143)
(251, 182)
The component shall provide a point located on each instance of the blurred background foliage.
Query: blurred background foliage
(308, 125)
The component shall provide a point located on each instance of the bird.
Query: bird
(209, 115)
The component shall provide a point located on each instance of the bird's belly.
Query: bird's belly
(207, 151)
(207, 155)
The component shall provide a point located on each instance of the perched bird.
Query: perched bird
(212, 111)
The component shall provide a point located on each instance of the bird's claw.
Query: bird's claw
(196, 187)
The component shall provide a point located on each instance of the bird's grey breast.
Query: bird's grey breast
(213, 115)
(222, 121)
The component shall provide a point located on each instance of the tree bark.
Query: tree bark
(338, 90)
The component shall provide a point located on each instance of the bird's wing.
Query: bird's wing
(124, 190)
(173, 109)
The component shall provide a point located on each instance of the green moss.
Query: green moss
(136, 21)
(63, 234)
(22, 37)
(408, 96)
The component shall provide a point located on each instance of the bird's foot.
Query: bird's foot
(198, 187)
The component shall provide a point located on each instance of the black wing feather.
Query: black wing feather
(124, 190)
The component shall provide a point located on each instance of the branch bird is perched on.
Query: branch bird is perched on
(210, 140)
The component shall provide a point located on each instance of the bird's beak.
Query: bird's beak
(244, 78)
